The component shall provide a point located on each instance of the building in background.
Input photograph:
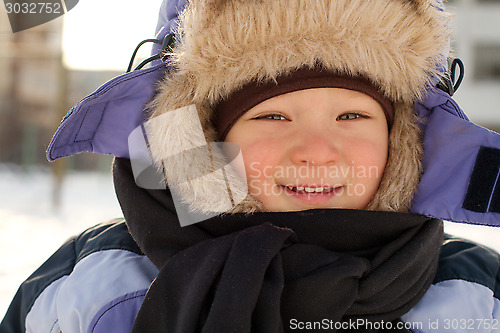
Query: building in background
(30, 63)
(476, 28)
(36, 90)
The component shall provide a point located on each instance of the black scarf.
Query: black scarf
(270, 272)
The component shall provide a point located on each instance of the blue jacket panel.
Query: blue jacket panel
(80, 285)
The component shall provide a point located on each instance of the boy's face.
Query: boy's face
(314, 148)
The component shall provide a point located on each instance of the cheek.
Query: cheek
(369, 158)
(260, 158)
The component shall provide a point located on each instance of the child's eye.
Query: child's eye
(272, 116)
(350, 116)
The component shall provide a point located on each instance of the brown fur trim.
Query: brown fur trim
(404, 168)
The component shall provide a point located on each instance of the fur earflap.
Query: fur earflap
(400, 45)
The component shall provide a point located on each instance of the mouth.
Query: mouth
(312, 193)
(310, 189)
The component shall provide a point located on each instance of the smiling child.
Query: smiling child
(353, 152)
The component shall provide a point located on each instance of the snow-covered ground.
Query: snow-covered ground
(31, 230)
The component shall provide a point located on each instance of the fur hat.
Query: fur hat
(399, 45)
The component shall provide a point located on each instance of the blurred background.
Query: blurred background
(46, 70)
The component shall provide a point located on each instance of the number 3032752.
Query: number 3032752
(33, 8)
(471, 324)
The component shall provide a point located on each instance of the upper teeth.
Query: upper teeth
(309, 189)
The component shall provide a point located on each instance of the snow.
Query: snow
(31, 229)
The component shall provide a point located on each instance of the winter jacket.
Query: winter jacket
(97, 281)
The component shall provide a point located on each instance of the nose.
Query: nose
(315, 148)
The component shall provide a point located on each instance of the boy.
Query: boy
(327, 101)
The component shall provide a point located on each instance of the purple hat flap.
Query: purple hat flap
(102, 121)
(461, 180)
